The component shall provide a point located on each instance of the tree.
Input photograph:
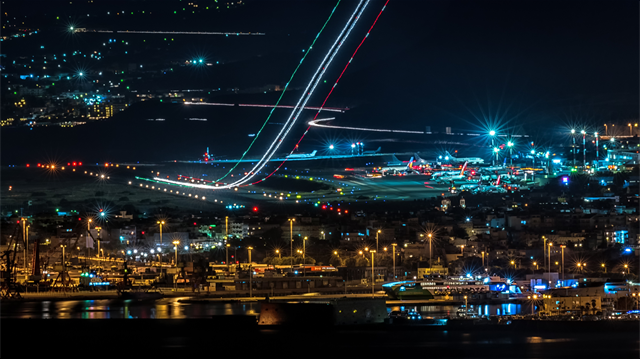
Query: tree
(335, 261)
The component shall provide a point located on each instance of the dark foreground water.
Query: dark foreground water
(211, 329)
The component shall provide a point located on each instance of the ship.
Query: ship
(435, 285)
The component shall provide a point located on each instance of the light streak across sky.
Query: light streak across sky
(328, 95)
(255, 138)
(316, 123)
(330, 109)
(307, 94)
(304, 99)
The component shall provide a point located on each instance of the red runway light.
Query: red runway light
(27, 165)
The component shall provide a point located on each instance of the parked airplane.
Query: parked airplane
(303, 155)
(471, 160)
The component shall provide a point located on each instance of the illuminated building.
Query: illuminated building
(105, 110)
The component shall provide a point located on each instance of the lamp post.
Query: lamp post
(533, 156)
(226, 226)
(495, 150)
(550, 245)
(483, 259)
(597, 147)
(250, 273)
(279, 254)
(24, 238)
(562, 248)
(161, 223)
(605, 130)
(466, 308)
(227, 248)
(544, 254)
(27, 237)
(394, 259)
(377, 233)
(492, 133)
(373, 280)
(573, 148)
(304, 259)
(584, 149)
(430, 236)
(536, 264)
(510, 145)
(291, 220)
(175, 243)
(626, 266)
(630, 130)
(605, 267)
(462, 249)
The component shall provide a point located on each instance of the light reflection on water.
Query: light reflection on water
(168, 308)
(171, 308)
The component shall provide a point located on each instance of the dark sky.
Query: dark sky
(531, 65)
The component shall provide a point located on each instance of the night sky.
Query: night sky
(531, 67)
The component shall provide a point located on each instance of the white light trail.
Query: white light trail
(341, 110)
(316, 123)
(306, 107)
(315, 79)
(307, 94)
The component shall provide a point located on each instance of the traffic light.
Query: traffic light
(255, 209)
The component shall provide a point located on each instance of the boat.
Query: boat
(438, 285)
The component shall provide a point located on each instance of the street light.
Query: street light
(573, 148)
(605, 267)
(175, 243)
(161, 223)
(291, 220)
(227, 247)
(430, 237)
(394, 259)
(584, 149)
(377, 233)
(250, 273)
(536, 264)
(550, 245)
(492, 133)
(304, 254)
(373, 280)
(562, 247)
(279, 254)
(510, 145)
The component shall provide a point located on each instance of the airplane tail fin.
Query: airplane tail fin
(313, 153)
(410, 164)
(448, 154)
